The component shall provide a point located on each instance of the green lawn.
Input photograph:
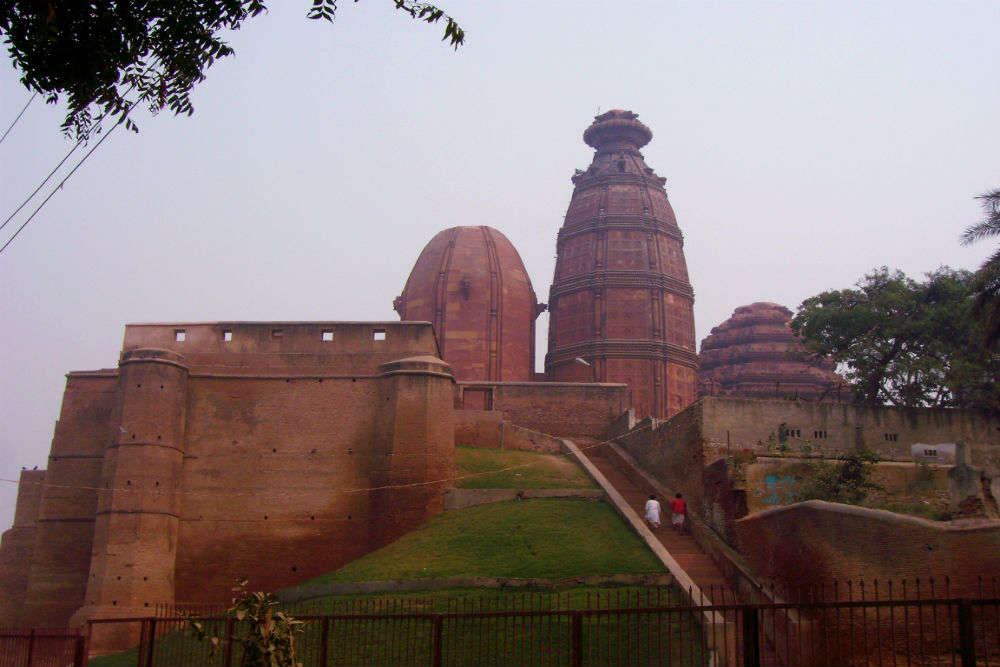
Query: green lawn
(550, 538)
(508, 469)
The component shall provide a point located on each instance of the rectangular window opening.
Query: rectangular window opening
(327, 335)
(378, 334)
(892, 437)
(180, 335)
(227, 336)
(930, 452)
(277, 333)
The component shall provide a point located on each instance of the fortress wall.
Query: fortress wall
(414, 445)
(265, 477)
(17, 546)
(285, 348)
(732, 423)
(815, 541)
(63, 538)
(555, 408)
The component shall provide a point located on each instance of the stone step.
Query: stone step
(683, 548)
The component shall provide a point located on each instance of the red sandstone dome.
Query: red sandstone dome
(621, 300)
(471, 284)
(756, 354)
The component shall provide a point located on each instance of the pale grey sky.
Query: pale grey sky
(804, 144)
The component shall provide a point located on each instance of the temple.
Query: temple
(755, 354)
(621, 304)
(471, 284)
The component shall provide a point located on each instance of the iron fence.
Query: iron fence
(846, 625)
(40, 648)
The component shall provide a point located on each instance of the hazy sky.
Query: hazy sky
(804, 144)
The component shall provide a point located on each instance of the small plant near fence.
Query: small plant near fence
(269, 640)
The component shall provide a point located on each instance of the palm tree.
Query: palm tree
(986, 282)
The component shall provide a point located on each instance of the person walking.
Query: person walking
(653, 511)
(678, 509)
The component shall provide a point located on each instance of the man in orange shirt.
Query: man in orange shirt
(678, 508)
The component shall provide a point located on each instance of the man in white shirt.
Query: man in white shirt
(653, 511)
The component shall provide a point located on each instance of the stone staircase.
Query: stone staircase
(691, 558)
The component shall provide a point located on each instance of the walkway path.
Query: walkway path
(698, 565)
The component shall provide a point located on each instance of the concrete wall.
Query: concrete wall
(773, 481)
(229, 451)
(556, 408)
(813, 542)
(833, 428)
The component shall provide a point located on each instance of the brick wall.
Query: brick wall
(57, 579)
(814, 542)
(556, 408)
(17, 546)
(486, 428)
(671, 451)
(170, 478)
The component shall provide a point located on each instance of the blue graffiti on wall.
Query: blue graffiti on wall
(779, 490)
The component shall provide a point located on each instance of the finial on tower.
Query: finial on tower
(617, 129)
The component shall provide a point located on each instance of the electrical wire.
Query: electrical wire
(67, 177)
(385, 487)
(11, 126)
(96, 125)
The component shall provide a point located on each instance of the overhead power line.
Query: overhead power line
(14, 122)
(65, 178)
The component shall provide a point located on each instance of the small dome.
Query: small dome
(471, 284)
(617, 129)
(755, 353)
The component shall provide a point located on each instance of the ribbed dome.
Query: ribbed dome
(471, 284)
(755, 353)
(620, 298)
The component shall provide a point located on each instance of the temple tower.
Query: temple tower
(621, 303)
(755, 354)
(471, 284)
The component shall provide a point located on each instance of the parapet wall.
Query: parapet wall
(556, 408)
(285, 348)
(816, 541)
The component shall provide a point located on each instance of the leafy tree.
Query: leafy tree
(987, 279)
(108, 56)
(904, 342)
(848, 481)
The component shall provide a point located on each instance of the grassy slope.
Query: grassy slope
(507, 469)
(551, 538)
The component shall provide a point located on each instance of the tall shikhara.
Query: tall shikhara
(621, 303)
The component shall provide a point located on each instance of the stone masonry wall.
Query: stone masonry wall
(816, 542)
(671, 451)
(734, 424)
(57, 578)
(17, 546)
(487, 428)
(259, 465)
(555, 408)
